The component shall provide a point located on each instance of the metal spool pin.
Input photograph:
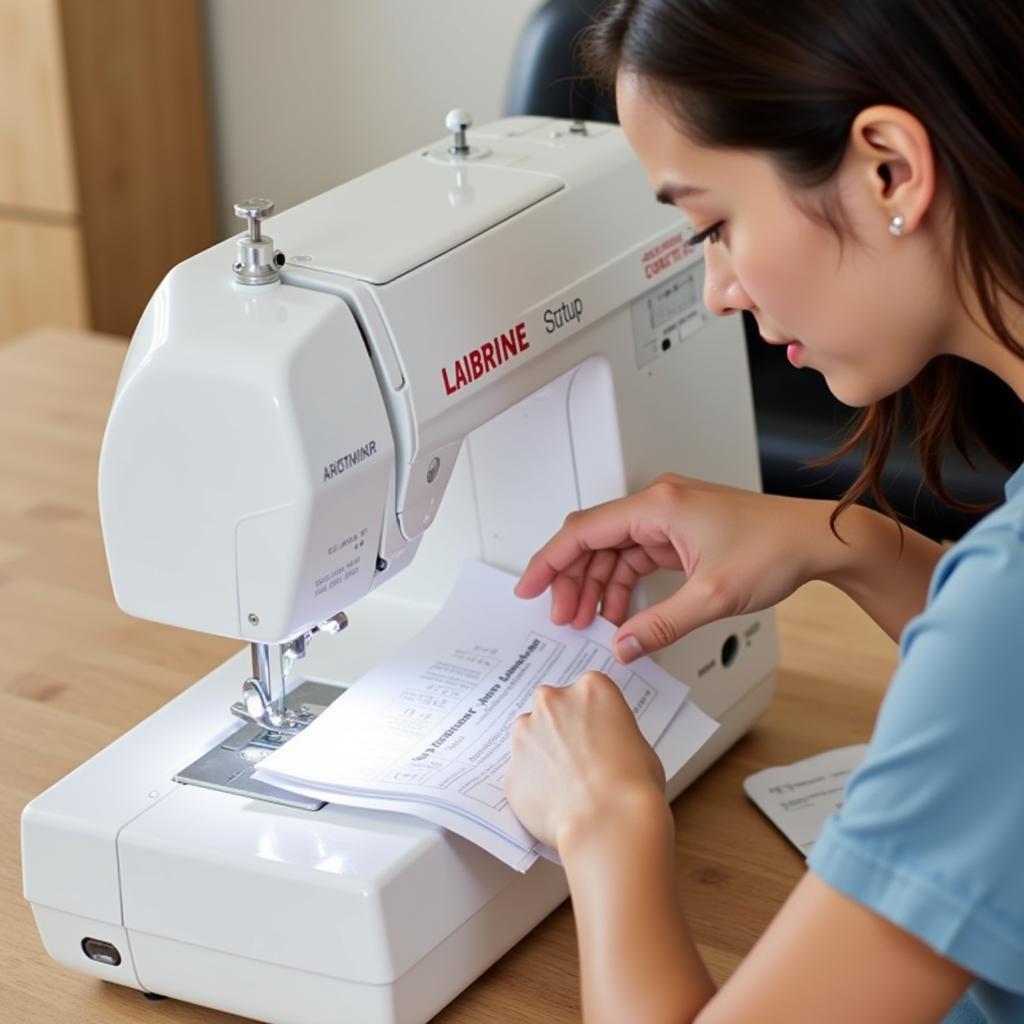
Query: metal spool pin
(256, 259)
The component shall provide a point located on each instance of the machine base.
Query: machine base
(282, 993)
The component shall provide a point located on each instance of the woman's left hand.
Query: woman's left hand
(577, 758)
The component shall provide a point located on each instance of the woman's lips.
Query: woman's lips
(794, 349)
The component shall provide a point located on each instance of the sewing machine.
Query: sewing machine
(505, 319)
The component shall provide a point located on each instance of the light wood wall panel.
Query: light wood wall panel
(137, 79)
(43, 280)
(105, 156)
(36, 163)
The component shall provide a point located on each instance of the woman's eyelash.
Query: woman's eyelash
(711, 232)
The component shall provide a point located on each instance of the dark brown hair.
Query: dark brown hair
(787, 79)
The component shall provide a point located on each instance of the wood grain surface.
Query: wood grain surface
(143, 146)
(45, 282)
(36, 161)
(75, 673)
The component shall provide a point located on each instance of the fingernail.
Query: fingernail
(628, 649)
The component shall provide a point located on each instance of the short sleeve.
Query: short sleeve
(931, 831)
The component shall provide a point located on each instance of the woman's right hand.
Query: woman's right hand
(741, 551)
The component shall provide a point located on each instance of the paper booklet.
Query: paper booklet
(427, 731)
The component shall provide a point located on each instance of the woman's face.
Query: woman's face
(865, 309)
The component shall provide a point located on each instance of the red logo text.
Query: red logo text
(664, 255)
(489, 356)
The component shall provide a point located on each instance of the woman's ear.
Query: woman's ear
(891, 149)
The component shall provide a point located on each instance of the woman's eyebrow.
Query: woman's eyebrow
(671, 194)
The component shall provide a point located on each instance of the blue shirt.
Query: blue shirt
(931, 831)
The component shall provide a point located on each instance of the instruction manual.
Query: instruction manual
(427, 731)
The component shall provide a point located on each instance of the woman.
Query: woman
(852, 171)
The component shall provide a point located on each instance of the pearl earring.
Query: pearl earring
(896, 224)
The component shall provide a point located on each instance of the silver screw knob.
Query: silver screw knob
(458, 122)
(253, 211)
(256, 259)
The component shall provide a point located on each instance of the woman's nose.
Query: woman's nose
(723, 294)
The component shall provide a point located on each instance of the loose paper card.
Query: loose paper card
(797, 798)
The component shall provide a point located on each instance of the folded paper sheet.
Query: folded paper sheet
(427, 732)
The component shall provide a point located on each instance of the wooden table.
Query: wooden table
(75, 673)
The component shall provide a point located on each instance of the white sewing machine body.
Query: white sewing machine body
(520, 331)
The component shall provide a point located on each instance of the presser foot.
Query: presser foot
(255, 709)
(263, 702)
(229, 766)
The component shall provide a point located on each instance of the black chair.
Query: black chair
(798, 419)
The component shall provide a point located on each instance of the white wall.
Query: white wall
(309, 93)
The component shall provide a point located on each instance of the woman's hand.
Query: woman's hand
(741, 552)
(579, 762)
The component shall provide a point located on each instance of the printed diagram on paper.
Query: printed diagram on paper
(428, 730)
(468, 750)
